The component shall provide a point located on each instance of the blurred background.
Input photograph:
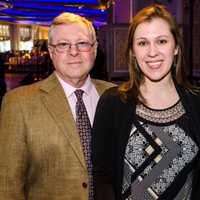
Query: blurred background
(24, 58)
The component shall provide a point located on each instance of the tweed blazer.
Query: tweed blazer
(41, 157)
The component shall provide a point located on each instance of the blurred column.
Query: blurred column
(113, 38)
(187, 30)
(122, 11)
(14, 33)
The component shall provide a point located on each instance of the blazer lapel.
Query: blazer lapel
(99, 86)
(56, 103)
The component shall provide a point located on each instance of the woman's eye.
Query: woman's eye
(142, 43)
(162, 41)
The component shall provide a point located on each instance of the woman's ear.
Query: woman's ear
(176, 50)
(131, 52)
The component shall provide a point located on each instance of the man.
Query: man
(41, 153)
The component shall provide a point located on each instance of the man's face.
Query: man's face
(72, 65)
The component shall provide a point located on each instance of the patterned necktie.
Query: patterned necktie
(84, 128)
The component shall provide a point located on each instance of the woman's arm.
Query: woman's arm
(102, 149)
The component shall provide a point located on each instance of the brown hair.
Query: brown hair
(130, 90)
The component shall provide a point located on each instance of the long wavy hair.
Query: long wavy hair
(130, 90)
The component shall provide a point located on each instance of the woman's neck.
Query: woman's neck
(159, 95)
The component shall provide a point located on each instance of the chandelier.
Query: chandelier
(4, 4)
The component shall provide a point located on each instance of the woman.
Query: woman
(146, 131)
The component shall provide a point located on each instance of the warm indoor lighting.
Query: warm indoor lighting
(4, 4)
(42, 12)
(4, 32)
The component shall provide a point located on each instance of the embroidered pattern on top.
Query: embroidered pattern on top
(177, 150)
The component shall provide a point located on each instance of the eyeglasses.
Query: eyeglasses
(80, 46)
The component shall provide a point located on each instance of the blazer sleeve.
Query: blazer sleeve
(13, 153)
(102, 149)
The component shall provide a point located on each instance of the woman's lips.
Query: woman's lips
(154, 64)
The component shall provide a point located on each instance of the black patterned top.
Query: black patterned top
(159, 155)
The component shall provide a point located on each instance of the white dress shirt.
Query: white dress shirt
(90, 97)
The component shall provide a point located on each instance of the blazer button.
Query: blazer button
(84, 185)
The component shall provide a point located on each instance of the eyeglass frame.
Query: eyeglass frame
(70, 46)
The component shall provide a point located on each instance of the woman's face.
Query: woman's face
(154, 48)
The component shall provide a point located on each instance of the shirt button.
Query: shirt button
(84, 185)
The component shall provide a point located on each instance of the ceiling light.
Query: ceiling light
(4, 4)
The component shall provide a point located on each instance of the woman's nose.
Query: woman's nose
(152, 51)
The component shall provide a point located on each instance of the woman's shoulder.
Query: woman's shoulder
(190, 97)
(112, 98)
(111, 94)
(193, 93)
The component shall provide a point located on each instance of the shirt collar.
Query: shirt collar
(69, 90)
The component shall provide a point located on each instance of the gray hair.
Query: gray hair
(69, 18)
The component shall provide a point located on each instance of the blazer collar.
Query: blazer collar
(99, 86)
(52, 82)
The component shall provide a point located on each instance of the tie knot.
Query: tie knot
(79, 94)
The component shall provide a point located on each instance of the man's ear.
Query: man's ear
(96, 48)
(50, 49)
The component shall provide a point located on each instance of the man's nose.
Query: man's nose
(73, 50)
